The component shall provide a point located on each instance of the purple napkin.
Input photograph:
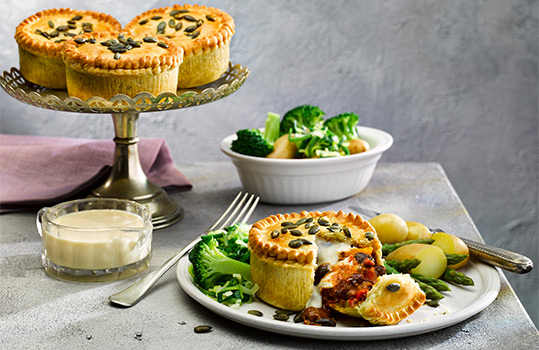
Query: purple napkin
(37, 171)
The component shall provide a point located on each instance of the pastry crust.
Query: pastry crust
(385, 307)
(108, 63)
(203, 32)
(41, 36)
(279, 268)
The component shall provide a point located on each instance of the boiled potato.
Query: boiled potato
(451, 244)
(390, 228)
(358, 146)
(283, 148)
(433, 260)
(417, 230)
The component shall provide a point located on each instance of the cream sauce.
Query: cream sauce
(96, 239)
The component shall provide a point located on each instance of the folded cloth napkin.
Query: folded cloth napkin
(37, 171)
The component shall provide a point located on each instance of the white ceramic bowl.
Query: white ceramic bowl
(304, 181)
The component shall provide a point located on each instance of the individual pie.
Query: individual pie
(106, 64)
(203, 32)
(41, 36)
(318, 262)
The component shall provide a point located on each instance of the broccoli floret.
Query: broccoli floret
(253, 142)
(320, 143)
(210, 265)
(301, 117)
(232, 241)
(344, 126)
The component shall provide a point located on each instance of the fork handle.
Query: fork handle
(503, 258)
(130, 296)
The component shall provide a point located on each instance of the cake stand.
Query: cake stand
(127, 179)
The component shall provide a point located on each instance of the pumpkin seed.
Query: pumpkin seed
(174, 13)
(210, 18)
(308, 225)
(178, 26)
(334, 229)
(275, 234)
(347, 232)
(45, 34)
(69, 34)
(323, 221)
(51, 24)
(135, 43)
(189, 18)
(299, 317)
(296, 243)
(117, 56)
(301, 221)
(80, 40)
(284, 230)
(203, 329)
(369, 235)
(156, 18)
(255, 313)
(161, 26)
(305, 241)
(183, 11)
(60, 40)
(171, 23)
(287, 223)
(393, 287)
(62, 28)
(54, 34)
(200, 22)
(77, 17)
(162, 44)
(284, 312)
(143, 21)
(281, 317)
(72, 26)
(296, 233)
(70, 22)
(150, 39)
(122, 39)
(314, 229)
(91, 41)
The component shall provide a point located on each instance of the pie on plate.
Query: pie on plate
(328, 261)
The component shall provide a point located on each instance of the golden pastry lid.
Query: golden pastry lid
(195, 28)
(45, 32)
(268, 238)
(120, 51)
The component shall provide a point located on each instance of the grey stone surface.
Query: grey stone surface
(37, 311)
(455, 82)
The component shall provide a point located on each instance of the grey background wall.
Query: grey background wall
(455, 82)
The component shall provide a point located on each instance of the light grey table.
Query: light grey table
(39, 312)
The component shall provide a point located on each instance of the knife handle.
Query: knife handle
(503, 258)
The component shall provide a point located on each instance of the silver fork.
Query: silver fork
(133, 294)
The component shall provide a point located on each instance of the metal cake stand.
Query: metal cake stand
(127, 179)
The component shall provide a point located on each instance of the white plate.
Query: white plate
(458, 305)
